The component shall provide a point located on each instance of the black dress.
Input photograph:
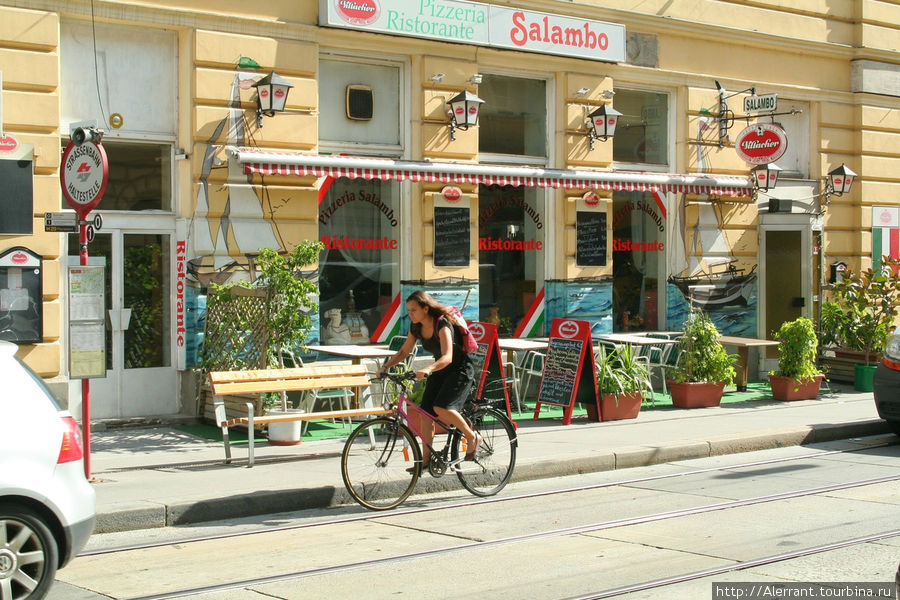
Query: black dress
(449, 387)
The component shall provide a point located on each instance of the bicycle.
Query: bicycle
(376, 459)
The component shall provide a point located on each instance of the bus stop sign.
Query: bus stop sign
(83, 174)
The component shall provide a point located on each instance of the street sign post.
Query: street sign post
(83, 173)
(61, 222)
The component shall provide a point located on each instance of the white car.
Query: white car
(47, 506)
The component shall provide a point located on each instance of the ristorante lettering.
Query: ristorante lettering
(541, 31)
(180, 256)
(632, 246)
(489, 243)
(334, 242)
(438, 19)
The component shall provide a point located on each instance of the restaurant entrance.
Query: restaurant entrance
(510, 253)
(638, 260)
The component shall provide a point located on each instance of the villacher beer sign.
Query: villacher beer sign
(761, 143)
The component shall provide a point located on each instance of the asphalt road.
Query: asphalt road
(820, 513)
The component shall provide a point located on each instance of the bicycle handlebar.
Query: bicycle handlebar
(401, 378)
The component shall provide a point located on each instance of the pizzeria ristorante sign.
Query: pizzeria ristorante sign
(761, 143)
(480, 24)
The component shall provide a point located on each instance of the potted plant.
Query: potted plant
(704, 367)
(860, 316)
(621, 383)
(797, 377)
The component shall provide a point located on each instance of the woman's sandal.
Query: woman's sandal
(471, 454)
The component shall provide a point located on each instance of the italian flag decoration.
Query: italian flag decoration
(885, 233)
(389, 325)
(533, 323)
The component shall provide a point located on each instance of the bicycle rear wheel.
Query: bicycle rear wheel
(375, 460)
(495, 460)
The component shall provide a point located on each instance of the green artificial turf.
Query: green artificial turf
(323, 430)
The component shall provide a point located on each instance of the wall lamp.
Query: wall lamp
(839, 181)
(271, 96)
(463, 111)
(601, 124)
(765, 176)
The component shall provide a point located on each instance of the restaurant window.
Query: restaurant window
(359, 223)
(642, 132)
(359, 102)
(513, 118)
(639, 235)
(510, 252)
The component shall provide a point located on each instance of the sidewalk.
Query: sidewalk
(159, 476)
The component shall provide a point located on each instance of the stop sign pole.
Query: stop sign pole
(83, 173)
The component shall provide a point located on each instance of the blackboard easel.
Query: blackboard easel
(569, 374)
(489, 361)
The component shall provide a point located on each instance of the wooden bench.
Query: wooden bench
(300, 379)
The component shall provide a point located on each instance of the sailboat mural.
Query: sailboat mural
(706, 277)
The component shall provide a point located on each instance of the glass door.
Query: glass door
(140, 378)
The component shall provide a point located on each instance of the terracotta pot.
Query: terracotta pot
(788, 388)
(696, 395)
(627, 407)
(593, 411)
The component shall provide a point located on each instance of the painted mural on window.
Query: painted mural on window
(706, 274)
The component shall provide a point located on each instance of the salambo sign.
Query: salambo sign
(481, 24)
(761, 143)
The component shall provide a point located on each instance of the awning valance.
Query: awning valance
(296, 163)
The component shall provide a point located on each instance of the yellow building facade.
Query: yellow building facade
(522, 217)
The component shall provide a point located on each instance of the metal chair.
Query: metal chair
(308, 398)
(532, 366)
(667, 363)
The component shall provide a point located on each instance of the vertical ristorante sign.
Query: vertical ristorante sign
(480, 24)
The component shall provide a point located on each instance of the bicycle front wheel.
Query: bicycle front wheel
(375, 460)
(496, 458)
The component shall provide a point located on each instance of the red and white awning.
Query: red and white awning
(355, 167)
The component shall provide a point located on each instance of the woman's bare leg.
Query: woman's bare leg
(452, 417)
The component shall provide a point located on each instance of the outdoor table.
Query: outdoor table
(743, 346)
(634, 339)
(356, 353)
(513, 345)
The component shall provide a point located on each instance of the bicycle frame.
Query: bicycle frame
(399, 410)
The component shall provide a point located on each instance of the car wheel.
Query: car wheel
(28, 554)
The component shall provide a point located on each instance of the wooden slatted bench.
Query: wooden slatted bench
(300, 379)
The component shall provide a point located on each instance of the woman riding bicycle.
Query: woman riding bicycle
(449, 377)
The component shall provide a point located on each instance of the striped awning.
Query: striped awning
(355, 167)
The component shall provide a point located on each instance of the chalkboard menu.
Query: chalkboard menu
(568, 375)
(451, 236)
(590, 238)
(561, 369)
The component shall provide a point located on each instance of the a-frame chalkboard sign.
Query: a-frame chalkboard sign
(489, 364)
(569, 374)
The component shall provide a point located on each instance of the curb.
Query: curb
(149, 515)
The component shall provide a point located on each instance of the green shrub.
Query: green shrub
(797, 349)
(703, 358)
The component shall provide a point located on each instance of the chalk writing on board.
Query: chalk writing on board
(560, 371)
(451, 236)
(590, 238)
